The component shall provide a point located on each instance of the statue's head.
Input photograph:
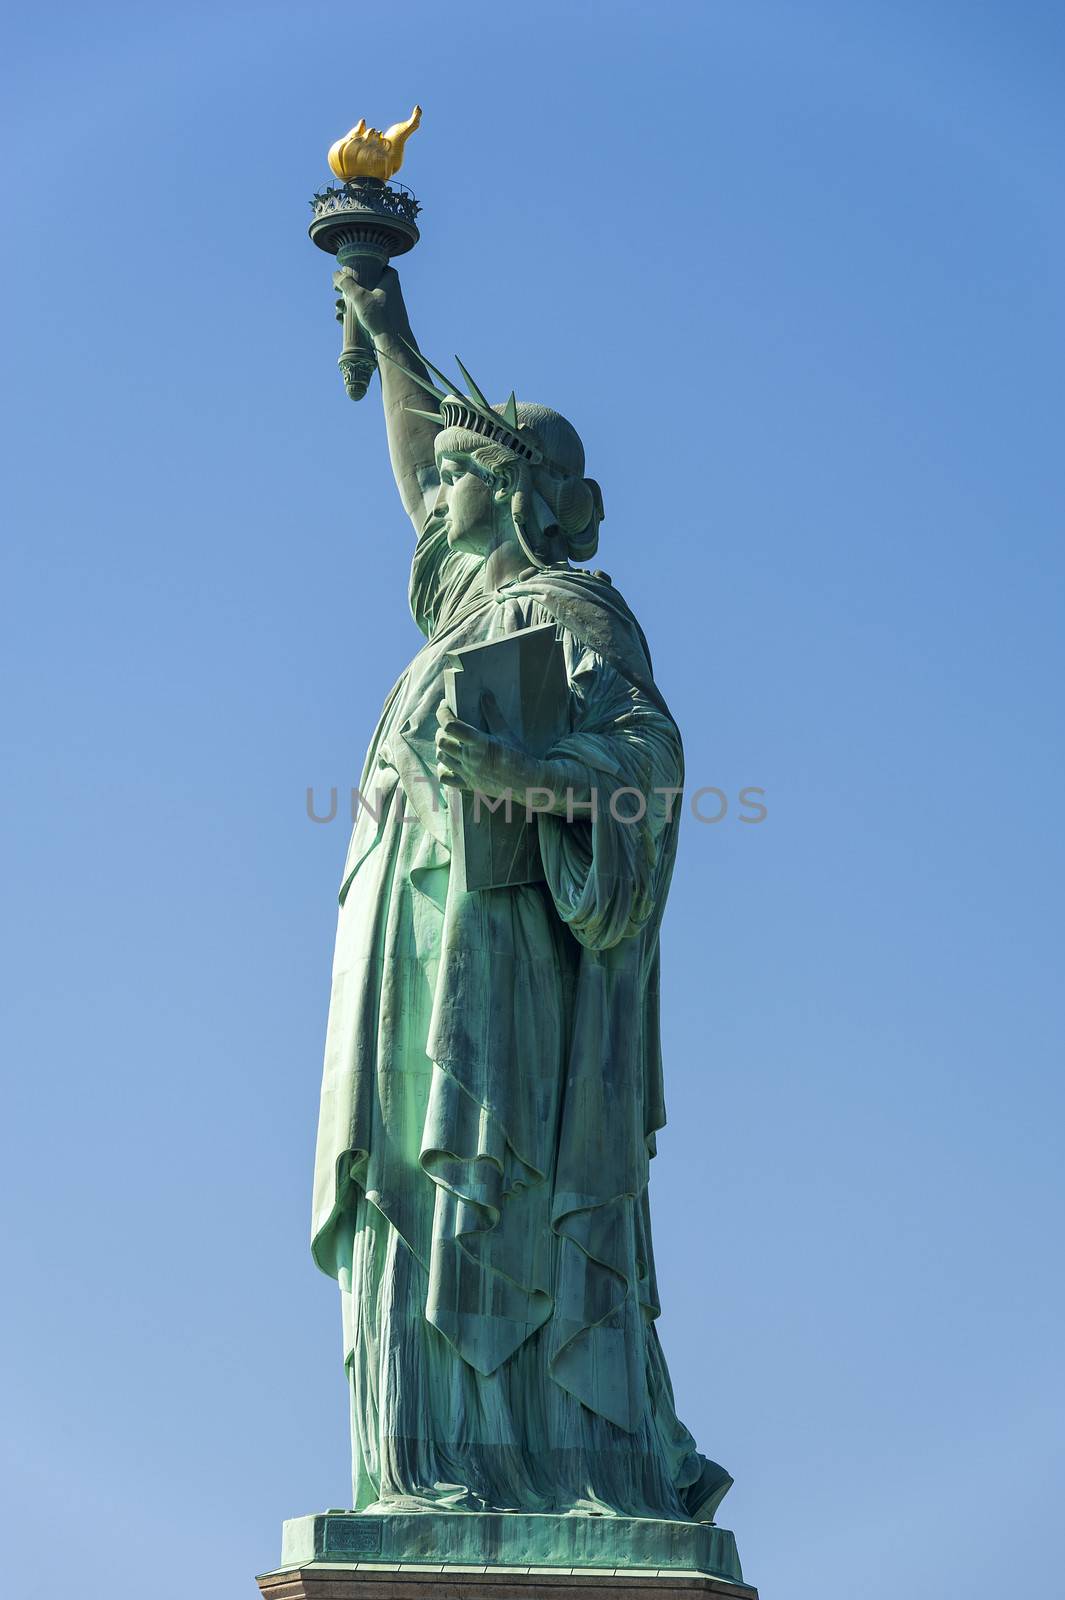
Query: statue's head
(514, 471)
(494, 491)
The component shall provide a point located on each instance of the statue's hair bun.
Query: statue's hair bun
(577, 504)
(573, 506)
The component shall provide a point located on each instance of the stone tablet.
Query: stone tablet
(495, 843)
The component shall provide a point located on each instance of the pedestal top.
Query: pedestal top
(442, 1555)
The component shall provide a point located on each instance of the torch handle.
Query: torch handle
(358, 359)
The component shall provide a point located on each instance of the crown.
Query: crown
(574, 502)
(470, 410)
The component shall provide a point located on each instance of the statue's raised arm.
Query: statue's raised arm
(382, 313)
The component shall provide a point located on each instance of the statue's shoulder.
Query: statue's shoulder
(576, 589)
(588, 605)
(581, 594)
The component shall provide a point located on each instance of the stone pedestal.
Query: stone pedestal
(339, 1555)
(321, 1581)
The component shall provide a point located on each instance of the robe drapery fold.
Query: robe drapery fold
(491, 1093)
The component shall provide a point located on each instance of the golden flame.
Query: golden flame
(368, 153)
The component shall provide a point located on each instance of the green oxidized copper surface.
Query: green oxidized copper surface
(512, 1540)
(492, 1085)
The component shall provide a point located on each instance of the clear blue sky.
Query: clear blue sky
(795, 271)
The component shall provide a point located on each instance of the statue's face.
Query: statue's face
(472, 509)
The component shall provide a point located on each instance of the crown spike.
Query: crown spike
(472, 387)
(451, 386)
(430, 388)
(455, 390)
(500, 427)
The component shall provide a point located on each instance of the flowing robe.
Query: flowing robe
(491, 1092)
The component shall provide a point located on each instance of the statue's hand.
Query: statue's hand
(379, 310)
(492, 764)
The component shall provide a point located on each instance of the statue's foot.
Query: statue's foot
(703, 1497)
(441, 1497)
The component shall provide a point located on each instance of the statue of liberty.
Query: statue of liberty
(493, 1079)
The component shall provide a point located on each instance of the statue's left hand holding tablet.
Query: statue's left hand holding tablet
(491, 763)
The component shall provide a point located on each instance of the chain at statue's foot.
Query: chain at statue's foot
(340, 1555)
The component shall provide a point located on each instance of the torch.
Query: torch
(364, 223)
